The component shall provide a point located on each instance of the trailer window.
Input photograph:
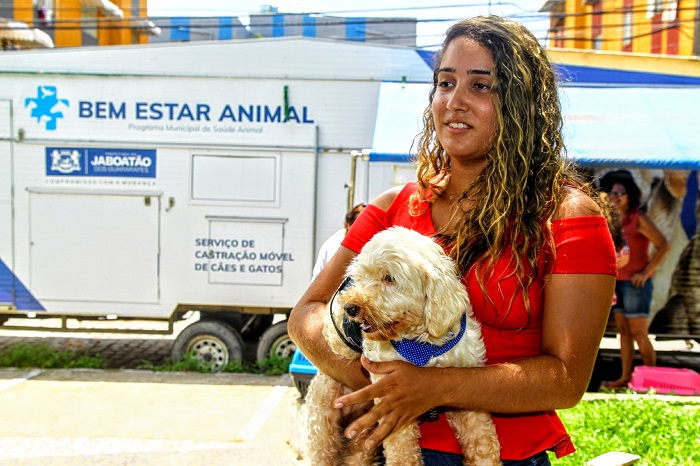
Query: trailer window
(246, 179)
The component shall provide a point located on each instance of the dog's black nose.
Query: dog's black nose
(352, 309)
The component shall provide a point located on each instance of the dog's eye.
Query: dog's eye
(389, 279)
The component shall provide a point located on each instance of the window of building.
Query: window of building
(654, 7)
(43, 12)
(627, 28)
(670, 13)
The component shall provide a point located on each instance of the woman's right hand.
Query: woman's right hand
(404, 393)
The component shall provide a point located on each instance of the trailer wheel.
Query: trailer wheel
(275, 341)
(211, 342)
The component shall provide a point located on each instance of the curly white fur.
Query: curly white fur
(405, 287)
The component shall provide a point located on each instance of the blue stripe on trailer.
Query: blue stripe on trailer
(389, 157)
(13, 291)
(580, 75)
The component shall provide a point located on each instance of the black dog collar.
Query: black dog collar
(351, 334)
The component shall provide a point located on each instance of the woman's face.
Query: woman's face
(618, 196)
(463, 112)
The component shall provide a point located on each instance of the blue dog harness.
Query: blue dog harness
(420, 353)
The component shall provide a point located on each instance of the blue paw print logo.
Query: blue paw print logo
(46, 107)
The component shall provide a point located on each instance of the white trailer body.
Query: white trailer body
(141, 180)
(144, 182)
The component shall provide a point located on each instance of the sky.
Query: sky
(434, 15)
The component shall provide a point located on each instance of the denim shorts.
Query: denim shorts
(633, 302)
(441, 458)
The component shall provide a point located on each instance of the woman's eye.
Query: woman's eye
(444, 84)
(389, 279)
(482, 86)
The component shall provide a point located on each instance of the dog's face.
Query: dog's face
(405, 287)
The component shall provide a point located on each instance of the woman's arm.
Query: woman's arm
(305, 325)
(576, 308)
(661, 247)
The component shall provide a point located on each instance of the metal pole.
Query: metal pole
(351, 184)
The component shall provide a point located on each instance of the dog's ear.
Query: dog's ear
(446, 300)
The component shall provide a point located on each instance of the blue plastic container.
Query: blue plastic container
(302, 371)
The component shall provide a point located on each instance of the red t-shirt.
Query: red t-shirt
(583, 245)
(638, 244)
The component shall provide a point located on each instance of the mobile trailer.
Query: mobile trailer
(142, 183)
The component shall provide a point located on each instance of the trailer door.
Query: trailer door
(94, 247)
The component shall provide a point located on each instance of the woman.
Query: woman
(494, 185)
(634, 286)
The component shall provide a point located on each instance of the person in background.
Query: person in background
(663, 193)
(331, 245)
(495, 188)
(634, 285)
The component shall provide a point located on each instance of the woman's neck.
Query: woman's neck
(462, 176)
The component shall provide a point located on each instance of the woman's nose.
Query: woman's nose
(458, 100)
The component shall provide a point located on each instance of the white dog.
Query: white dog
(411, 305)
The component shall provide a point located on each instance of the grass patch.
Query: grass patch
(661, 431)
(270, 366)
(42, 356)
(26, 355)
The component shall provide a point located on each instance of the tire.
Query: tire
(275, 341)
(210, 341)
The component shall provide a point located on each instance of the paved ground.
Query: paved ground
(52, 417)
(126, 417)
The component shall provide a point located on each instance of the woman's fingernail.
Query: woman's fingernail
(338, 404)
(369, 444)
(351, 434)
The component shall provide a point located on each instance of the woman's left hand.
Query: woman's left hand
(403, 394)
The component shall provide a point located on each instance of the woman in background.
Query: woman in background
(634, 285)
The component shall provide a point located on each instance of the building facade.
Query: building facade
(641, 26)
(73, 23)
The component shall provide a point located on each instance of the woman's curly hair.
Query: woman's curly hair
(519, 190)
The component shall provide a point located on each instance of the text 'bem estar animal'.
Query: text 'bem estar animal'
(405, 294)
